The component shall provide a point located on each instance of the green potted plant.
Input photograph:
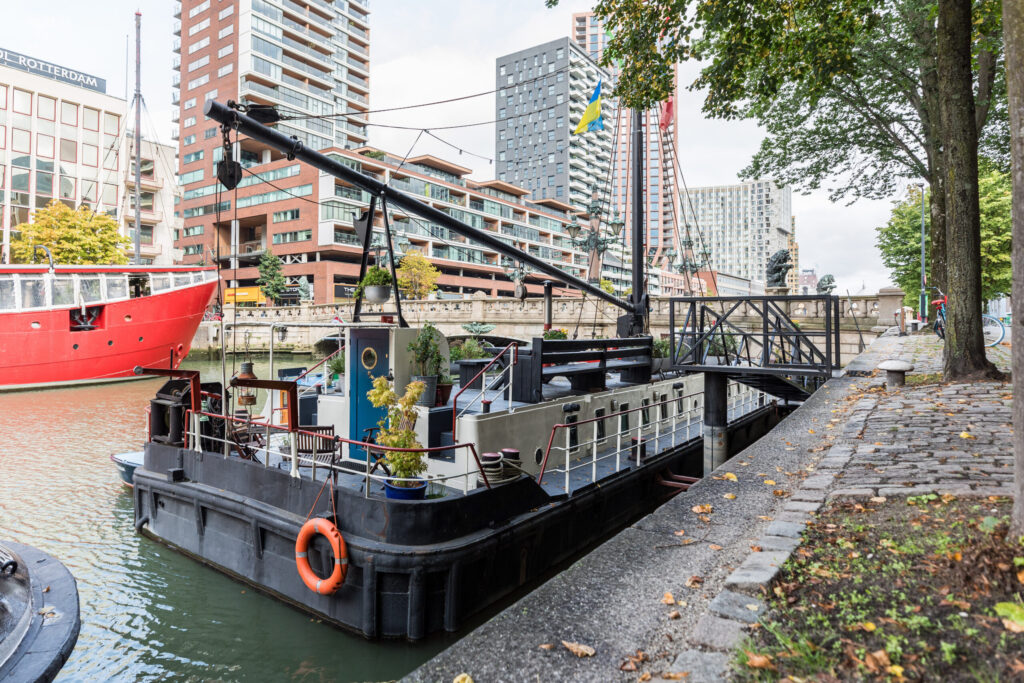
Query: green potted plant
(427, 355)
(375, 286)
(396, 431)
(336, 367)
(556, 333)
(660, 354)
(444, 388)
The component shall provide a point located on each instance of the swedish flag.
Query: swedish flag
(592, 116)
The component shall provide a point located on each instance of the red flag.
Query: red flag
(666, 112)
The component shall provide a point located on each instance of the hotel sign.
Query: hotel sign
(50, 70)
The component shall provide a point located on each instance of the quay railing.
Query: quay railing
(678, 419)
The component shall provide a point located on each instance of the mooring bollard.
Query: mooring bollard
(895, 372)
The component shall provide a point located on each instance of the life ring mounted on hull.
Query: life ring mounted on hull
(330, 585)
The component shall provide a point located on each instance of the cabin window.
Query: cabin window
(90, 288)
(645, 413)
(63, 291)
(161, 281)
(624, 418)
(117, 287)
(33, 292)
(664, 406)
(600, 413)
(7, 302)
(574, 432)
(182, 279)
(138, 285)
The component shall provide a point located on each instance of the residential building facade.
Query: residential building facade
(793, 276)
(62, 137)
(743, 225)
(808, 283)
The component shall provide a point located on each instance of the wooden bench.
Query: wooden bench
(584, 362)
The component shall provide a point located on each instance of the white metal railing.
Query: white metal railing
(485, 386)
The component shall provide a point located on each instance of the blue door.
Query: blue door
(369, 360)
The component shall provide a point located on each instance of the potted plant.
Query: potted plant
(427, 355)
(336, 367)
(556, 333)
(659, 354)
(396, 431)
(444, 388)
(375, 286)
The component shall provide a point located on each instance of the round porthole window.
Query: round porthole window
(369, 359)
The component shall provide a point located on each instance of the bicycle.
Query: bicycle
(991, 327)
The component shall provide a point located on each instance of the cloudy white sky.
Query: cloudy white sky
(426, 51)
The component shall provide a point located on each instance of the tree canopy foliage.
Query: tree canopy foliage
(417, 277)
(74, 237)
(271, 280)
(899, 240)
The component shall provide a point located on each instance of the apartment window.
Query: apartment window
(199, 63)
(225, 70)
(212, 95)
(202, 80)
(285, 216)
(69, 113)
(145, 201)
(188, 140)
(559, 122)
(202, 25)
(193, 249)
(68, 151)
(190, 121)
(44, 146)
(296, 236)
(199, 9)
(509, 80)
(111, 124)
(226, 50)
(501, 70)
(189, 103)
(560, 53)
(193, 231)
(226, 31)
(22, 101)
(90, 155)
(193, 157)
(210, 133)
(226, 12)
(46, 108)
(191, 177)
(198, 45)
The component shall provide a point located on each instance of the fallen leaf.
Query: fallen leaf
(463, 678)
(675, 675)
(1012, 614)
(547, 646)
(895, 670)
(769, 482)
(579, 649)
(729, 496)
(703, 509)
(667, 599)
(715, 546)
(47, 589)
(765, 518)
(681, 532)
(1020, 576)
(729, 476)
(781, 493)
(628, 665)
(810, 431)
(755, 548)
(755, 661)
(877, 661)
(694, 582)
(1013, 626)
(967, 435)
(646, 676)
(674, 614)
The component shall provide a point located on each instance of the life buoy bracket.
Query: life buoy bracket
(323, 527)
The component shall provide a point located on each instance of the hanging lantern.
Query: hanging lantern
(617, 225)
(246, 395)
(573, 229)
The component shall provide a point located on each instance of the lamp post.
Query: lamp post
(516, 273)
(592, 241)
(923, 310)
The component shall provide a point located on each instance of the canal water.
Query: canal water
(149, 613)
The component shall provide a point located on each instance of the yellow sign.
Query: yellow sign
(244, 295)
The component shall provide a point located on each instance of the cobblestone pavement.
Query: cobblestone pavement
(943, 438)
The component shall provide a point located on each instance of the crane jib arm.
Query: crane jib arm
(295, 149)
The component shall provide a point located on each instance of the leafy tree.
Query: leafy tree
(417, 277)
(271, 280)
(607, 286)
(899, 241)
(79, 237)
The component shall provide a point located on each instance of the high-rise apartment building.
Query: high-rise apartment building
(742, 225)
(793, 276)
(542, 94)
(308, 58)
(661, 208)
(62, 137)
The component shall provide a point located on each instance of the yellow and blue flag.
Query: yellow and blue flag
(592, 116)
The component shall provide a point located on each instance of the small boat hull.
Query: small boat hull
(126, 464)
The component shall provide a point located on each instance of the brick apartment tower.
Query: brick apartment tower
(307, 57)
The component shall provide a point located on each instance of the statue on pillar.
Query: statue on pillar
(778, 265)
(826, 284)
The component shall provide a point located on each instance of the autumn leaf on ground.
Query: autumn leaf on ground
(729, 496)
(674, 614)
(967, 435)
(646, 676)
(729, 476)
(1012, 614)
(681, 532)
(755, 548)
(667, 599)
(675, 675)
(694, 582)
(877, 661)
(703, 509)
(546, 646)
(463, 678)
(769, 482)
(715, 546)
(579, 649)
(810, 431)
(756, 661)
(780, 493)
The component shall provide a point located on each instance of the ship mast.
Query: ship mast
(138, 137)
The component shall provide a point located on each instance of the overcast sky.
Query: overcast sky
(426, 51)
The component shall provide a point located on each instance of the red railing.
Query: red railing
(320, 363)
(455, 401)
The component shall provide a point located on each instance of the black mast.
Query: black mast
(639, 296)
(294, 149)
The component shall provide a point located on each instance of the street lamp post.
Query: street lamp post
(923, 310)
(591, 241)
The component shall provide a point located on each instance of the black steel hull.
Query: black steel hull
(415, 567)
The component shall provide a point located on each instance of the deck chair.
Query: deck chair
(246, 438)
(321, 449)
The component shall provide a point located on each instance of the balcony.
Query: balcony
(358, 80)
(177, 28)
(359, 32)
(308, 69)
(292, 44)
(359, 49)
(357, 64)
(303, 30)
(176, 47)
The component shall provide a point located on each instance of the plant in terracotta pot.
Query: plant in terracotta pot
(375, 286)
(444, 388)
(660, 354)
(427, 356)
(396, 431)
(336, 367)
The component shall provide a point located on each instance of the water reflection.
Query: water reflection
(150, 613)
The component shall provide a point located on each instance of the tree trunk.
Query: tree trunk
(1013, 39)
(937, 209)
(965, 348)
(924, 33)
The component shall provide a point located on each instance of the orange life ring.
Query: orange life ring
(332, 583)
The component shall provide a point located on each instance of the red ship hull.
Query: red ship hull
(39, 347)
